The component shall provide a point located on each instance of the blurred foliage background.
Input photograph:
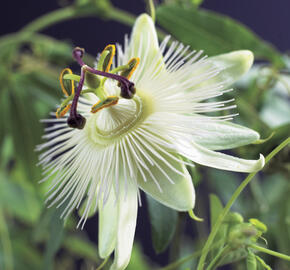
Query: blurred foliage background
(34, 237)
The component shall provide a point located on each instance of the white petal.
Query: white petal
(108, 219)
(210, 158)
(127, 216)
(144, 44)
(233, 65)
(221, 135)
(179, 195)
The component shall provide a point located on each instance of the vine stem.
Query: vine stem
(225, 211)
(64, 14)
(214, 263)
(174, 265)
(103, 263)
(49, 19)
(151, 8)
(69, 13)
(270, 252)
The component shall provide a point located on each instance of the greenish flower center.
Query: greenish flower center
(111, 124)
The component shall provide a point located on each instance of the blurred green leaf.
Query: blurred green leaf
(276, 107)
(18, 201)
(27, 256)
(216, 208)
(234, 256)
(24, 127)
(213, 32)
(163, 224)
(138, 261)
(81, 247)
(56, 230)
(197, 2)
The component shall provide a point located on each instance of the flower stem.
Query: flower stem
(103, 263)
(49, 19)
(216, 260)
(151, 8)
(179, 262)
(121, 16)
(64, 14)
(270, 252)
(225, 211)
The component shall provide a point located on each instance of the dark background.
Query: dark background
(270, 19)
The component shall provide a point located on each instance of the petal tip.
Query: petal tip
(104, 253)
(248, 59)
(245, 58)
(144, 19)
(261, 162)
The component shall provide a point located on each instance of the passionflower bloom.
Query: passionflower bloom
(141, 116)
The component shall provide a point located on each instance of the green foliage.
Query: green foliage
(216, 208)
(163, 224)
(214, 33)
(81, 247)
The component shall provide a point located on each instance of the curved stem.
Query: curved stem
(225, 211)
(64, 14)
(49, 19)
(270, 252)
(122, 16)
(151, 7)
(216, 260)
(103, 263)
(179, 262)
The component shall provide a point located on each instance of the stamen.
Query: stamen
(61, 111)
(64, 108)
(127, 88)
(108, 60)
(133, 64)
(109, 101)
(62, 74)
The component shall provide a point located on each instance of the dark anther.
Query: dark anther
(128, 91)
(77, 121)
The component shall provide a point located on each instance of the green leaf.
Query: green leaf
(138, 260)
(81, 247)
(213, 32)
(21, 203)
(216, 208)
(163, 224)
(27, 256)
(55, 235)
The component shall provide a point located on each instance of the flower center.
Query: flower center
(113, 123)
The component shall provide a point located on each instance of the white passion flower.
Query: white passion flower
(136, 134)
